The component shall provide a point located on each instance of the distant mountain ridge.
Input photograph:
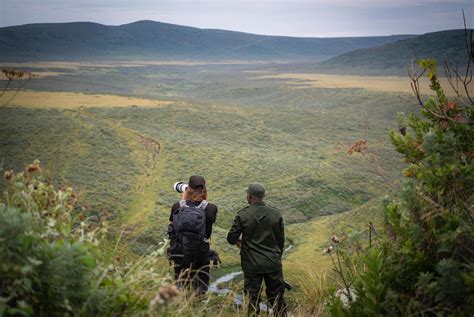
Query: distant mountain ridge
(396, 57)
(156, 40)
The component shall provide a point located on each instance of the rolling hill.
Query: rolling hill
(156, 40)
(396, 57)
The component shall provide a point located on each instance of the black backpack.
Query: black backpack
(187, 232)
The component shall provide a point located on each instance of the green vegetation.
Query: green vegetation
(74, 148)
(48, 264)
(294, 141)
(423, 264)
(233, 127)
(57, 261)
(396, 58)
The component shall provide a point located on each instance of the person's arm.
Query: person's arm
(173, 209)
(171, 231)
(211, 216)
(235, 231)
(211, 213)
(281, 237)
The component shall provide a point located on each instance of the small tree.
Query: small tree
(425, 264)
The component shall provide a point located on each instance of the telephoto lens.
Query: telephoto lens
(180, 187)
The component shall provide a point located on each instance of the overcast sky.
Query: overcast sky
(311, 18)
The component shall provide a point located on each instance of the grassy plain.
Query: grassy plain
(391, 84)
(125, 134)
(72, 100)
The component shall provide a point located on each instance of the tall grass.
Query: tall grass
(312, 288)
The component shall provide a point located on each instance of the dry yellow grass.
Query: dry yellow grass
(192, 63)
(111, 64)
(263, 71)
(70, 100)
(66, 65)
(312, 237)
(37, 74)
(373, 83)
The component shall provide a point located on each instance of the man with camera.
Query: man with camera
(189, 231)
(261, 248)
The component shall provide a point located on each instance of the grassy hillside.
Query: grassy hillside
(292, 140)
(125, 133)
(396, 57)
(155, 40)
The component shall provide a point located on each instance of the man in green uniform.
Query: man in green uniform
(261, 248)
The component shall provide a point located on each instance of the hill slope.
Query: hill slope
(149, 39)
(396, 57)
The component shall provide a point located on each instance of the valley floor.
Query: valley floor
(124, 134)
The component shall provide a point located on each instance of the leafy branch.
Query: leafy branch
(462, 111)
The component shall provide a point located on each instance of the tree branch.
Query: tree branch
(6, 86)
(16, 92)
(415, 84)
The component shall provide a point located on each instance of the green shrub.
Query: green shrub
(49, 263)
(425, 263)
(41, 277)
(50, 260)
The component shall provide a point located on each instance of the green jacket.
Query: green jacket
(263, 238)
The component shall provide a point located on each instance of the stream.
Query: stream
(214, 286)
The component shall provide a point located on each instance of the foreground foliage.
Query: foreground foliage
(50, 260)
(48, 265)
(425, 263)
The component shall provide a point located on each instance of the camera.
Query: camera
(180, 187)
(214, 258)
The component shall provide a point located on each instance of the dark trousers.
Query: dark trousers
(275, 289)
(193, 272)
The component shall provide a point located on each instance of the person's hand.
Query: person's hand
(239, 244)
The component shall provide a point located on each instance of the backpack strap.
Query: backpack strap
(203, 205)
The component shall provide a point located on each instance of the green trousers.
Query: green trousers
(275, 288)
